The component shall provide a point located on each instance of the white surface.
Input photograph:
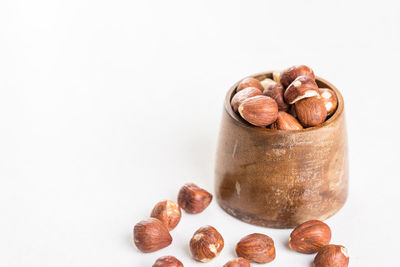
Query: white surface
(107, 107)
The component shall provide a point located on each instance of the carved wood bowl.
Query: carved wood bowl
(281, 179)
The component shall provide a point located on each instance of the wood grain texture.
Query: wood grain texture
(281, 179)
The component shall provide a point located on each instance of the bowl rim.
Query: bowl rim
(268, 74)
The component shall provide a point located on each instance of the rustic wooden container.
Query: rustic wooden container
(277, 178)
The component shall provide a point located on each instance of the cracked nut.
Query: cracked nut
(193, 199)
(259, 110)
(168, 212)
(249, 82)
(302, 87)
(151, 235)
(275, 91)
(310, 111)
(238, 262)
(290, 74)
(310, 237)
(330, 100)
(258, 248)
(206, 244)
(332, 256)
(167, 261)
(287, 122)
(242, 95)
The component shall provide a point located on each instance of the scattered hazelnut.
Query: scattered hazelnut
(151, 235)
(286, 121)
(259, 110)
(275, 91)
(301, 87)
(249, 82)
(167, 261)
(332, 256)
(276, 75)
(206, 244)
(290, 74)
(258, 248)
(238, 262)
(330, 100)
(310, 111)
(168, 212)
(193, 199)
(242, 95)
(310, 237)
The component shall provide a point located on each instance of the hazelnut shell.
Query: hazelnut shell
(256, 247)
(206, 244)
(151, 235)
(168, 212)
(310, 111)
(332, 256)
(310, 237)
(193, 199)
(259, 110)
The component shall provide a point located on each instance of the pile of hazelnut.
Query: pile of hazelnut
(289, 101)
(206, 243)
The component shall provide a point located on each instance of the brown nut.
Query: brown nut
(168, 212)
(310, 237)
(193, 199)
(151, 235)
(242, 95)
(238, 262)
(275, 91)
(167, 261)
(276, 75)
(310, 111)
(259, 110)
(290, 74)
(249, 82)
(330, 100)
(332, 256)
(206, 244)
(301, 88)
(287, 122)
(292, 111)
(258, 248)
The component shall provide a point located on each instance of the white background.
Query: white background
(107, 107)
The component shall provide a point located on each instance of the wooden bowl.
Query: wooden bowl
(281, 179)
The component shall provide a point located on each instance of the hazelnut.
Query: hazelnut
(168, 212)
(301, 87)
(332, 256)
(151, 235)
(206, 244)
(310, 111)
(167, 261)
(276, 75)
(290, 74)
(275, 91)
(330, 100)
(193, 199)
(258, 248)
(286, 121)
(249, 82)
(238, 262)
(259, 110)
(310, 237)
(242, 95)
(266, 82)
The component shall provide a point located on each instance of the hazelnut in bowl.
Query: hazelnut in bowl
(280, 169)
